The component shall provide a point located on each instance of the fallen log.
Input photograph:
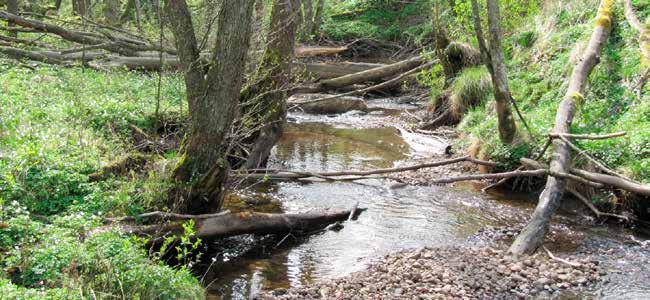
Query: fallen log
(373, 74)
(230, 224)
(532, 236)
(396, 80)
(332, 70)
(338, 105)
(312, 51)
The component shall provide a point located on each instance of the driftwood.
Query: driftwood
(230, 224)
(532, 236)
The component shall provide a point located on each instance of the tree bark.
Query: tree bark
(212, 96)
(532, 236)
(264, 103)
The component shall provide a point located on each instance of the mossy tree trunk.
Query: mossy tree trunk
(212, 96)
(264, 105)
(494, 61)
(318, 17)
(502, 95)
(532, 236)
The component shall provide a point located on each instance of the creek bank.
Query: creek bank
(455, 272)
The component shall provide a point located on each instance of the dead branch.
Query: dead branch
(598, 164)
(587, 136)
(287, 174)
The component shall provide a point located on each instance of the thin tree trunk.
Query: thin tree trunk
(307, 19)
(264, 104)
(494, 61)
(318, 17)
(12, 7)
(532, 236)
(507, 127)
(111, 11)
(212, 98)
(81, 7)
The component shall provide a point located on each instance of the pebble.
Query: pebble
(452, 273)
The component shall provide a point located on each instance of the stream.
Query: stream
(396, 218)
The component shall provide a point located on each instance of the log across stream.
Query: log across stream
(397, 218)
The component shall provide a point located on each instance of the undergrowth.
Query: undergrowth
(58, 126)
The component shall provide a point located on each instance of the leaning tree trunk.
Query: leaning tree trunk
(212, 97)
(264, 102)
(532, 236)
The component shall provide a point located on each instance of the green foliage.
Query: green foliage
(57, 127)
(538, 74)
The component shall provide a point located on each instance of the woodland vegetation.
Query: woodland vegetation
(126, 127)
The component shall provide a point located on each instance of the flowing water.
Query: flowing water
(396, 218)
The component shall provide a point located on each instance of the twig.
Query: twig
(553, 257)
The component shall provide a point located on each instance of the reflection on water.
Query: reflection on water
(318, 147)
(395, 219)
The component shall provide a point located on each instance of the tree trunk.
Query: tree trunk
(532, 236)
(81, 7)
(264, 103)
(212, 98)
(12, 7)
(318, 17)
(112, 11)
(307, 19)
(502, 96)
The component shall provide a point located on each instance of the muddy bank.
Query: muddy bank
(455, 272)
